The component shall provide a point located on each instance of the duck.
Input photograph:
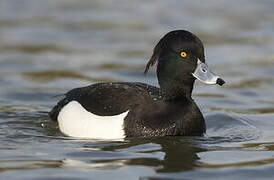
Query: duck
(115, 110)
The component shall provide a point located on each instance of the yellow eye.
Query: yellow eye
(183, 54)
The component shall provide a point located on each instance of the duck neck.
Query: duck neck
(175, 90)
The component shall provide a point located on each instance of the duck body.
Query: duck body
(133, 109)
(149, 112)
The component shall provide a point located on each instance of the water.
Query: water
(48, 47)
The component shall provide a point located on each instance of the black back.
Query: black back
(108, 99)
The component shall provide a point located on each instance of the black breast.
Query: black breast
(165, 118)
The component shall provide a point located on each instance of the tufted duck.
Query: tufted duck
(131, 109)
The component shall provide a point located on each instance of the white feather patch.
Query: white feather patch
(76, 121)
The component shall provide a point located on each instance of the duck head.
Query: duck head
(181, 60)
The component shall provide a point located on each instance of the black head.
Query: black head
(179, 55)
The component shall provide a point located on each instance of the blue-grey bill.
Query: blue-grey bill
(205, 75)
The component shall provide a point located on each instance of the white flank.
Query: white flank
(76, 121)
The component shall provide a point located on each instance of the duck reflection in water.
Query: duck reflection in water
(165, 155)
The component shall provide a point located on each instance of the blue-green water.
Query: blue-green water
(48, 47)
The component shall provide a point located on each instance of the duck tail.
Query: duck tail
(53, 114)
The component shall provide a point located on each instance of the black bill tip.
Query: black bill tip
(220, 81)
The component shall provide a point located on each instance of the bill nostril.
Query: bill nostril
(220, 81)
(204, 70)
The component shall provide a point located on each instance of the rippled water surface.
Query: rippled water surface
(48, 47)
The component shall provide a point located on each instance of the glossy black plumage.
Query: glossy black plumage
(165, 111)
(150, 113)
(108, 99)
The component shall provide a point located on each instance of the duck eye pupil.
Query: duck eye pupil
(183, 54)
(204, 70)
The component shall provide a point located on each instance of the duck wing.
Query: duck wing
(107, 99)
